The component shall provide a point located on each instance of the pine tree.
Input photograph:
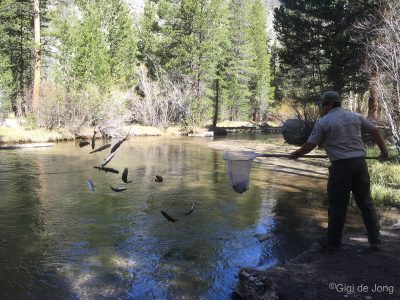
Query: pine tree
(319, 51)
(6, 84)
(262, 91)
(150, 38)
(16, 42)
(91, 63)
(192, 36)
(239, 66)
(121, 41)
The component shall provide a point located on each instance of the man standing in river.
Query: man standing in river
(339, 131)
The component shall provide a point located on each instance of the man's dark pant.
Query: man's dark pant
(345, 176)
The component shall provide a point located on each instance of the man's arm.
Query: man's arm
(378, 139)
(306, 148)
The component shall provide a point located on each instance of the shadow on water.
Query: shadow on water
(60, 240)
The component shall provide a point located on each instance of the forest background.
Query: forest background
(73, 63)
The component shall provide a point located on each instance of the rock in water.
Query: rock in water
(296, 131)
(254, 284)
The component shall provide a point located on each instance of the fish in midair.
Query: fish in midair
(191, 209)
(94, 135)
(168, 217)
(125, 176)
(158, 178)
(100, 148)
(90, 185)
(83, 143)
(107, 170)
(117, 144)
(107, 160)
(118, 189)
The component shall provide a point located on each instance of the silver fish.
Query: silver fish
(168, 217)
(192, 209)
(105, 169)
(118, 189)
(94, 135)
(116, 146)
(83, 143)
(107, 160)
(90, 185)
(125, 176)
(100, 148)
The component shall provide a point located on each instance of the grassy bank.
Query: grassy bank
(385, 179)
(23, 135)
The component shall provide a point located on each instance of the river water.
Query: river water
(60, 240)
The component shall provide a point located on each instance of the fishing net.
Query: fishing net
(238, 165)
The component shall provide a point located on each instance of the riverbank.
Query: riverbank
(13, 132)
(353, 272)
(19, 134)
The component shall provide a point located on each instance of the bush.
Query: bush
(75, 108)
(158, 103)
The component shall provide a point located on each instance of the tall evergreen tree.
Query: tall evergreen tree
(240, 68)
(16, 42)
(318, 51)
(149, 38)
(91, 64)
(193, 33)
(16, 20)
(121, 41)
(262, 91)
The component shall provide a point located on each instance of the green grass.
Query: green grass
(385, 179)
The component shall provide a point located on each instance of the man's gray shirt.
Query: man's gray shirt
(339, 131)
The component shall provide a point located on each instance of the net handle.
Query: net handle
(305, 156)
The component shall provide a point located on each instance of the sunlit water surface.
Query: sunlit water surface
(59, 240)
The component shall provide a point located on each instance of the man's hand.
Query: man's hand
(306, 148)
(384, 156)
(294, 155)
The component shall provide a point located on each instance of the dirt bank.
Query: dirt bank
(351, 273)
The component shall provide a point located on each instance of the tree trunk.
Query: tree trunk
(373, 99)
(216, 104)
(36, 81)
(373, 104)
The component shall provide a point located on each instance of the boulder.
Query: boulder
(296, 131)
(218, 130)
(254, 284)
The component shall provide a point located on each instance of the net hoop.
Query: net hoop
(238, 165)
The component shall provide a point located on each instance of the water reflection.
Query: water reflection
(60, 240)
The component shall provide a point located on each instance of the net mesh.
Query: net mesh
(238, 165)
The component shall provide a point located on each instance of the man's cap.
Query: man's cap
(330, 96)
